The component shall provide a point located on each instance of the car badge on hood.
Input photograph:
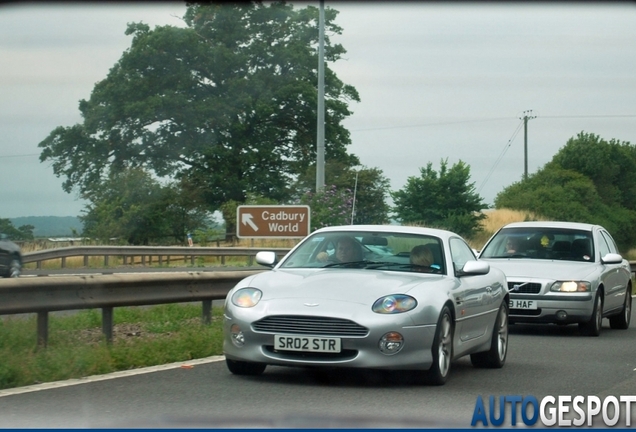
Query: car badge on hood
(311, 304)
(517, 287)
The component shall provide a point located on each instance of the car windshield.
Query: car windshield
(541, 243)
(369, 251)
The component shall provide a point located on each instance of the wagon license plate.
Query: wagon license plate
(523, 304)
(306, 343)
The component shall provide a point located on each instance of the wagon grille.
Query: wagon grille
(320, 326)
(524, 288)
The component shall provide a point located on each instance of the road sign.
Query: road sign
(272, 221)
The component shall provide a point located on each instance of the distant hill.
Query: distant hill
(50, 226)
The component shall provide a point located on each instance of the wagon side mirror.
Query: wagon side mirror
(612, 258)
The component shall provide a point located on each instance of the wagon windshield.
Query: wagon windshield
(541, 243)
(370, 250)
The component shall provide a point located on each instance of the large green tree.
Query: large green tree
(610, 165)
(136, 209)
(444, 199)
(226, 104)
(589, 180)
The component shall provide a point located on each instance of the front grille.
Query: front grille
(524, 287)
(319, 326)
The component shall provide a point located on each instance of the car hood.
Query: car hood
(355, 285)
(543, 269)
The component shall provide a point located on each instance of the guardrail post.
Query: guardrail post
(207, 311)
(107, 323)
(43, 328)
(105, 260)
(85, 260)
(63, 262)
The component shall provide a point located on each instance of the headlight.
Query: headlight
(571, 286)
(246, 297)
(391, 304)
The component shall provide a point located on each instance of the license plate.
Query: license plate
(523, 304)
(306, 343)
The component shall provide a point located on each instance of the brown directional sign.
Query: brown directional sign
(271, 221)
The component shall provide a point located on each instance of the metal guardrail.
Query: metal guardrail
(163, 254)
(60, 293)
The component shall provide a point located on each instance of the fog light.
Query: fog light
(238, 338)
(561, 315)
(391, 343)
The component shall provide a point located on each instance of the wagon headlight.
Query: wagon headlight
(571, 286)
(246, 297)
(391, 304)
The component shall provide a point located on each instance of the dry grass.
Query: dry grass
(175, 261)
(495, 219)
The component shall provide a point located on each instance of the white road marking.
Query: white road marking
(113, 375)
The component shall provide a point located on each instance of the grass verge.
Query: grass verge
(142, 336)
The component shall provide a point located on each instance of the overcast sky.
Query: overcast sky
(437, 81)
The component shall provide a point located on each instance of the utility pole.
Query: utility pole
(320, 144)
(527, 115)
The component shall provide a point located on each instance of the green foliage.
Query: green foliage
(136, 209)
(589, 180)
(370, 185)
(444, 200)
(23, 232)
(329, 206)
(227, 105)
(76, 348)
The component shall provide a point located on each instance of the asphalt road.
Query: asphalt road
(542, 361)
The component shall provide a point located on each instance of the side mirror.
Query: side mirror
(266, 258)
(612, 258)
(475, 268)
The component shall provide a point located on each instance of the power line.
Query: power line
(501, 155)
(494, 119)
(17, 156)
(593, 116)
(432, 124)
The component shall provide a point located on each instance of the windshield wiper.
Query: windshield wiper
(346, 264)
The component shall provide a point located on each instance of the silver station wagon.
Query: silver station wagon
(563, 273)
(374, 297)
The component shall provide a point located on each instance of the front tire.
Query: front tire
(621, 321)
(245, 368)
(495, 357)
(593, 326)
(442, 349)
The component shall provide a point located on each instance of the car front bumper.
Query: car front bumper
(356, 352)
(552, 308)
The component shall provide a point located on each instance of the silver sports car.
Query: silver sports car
(368, 296)
(563, 273)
